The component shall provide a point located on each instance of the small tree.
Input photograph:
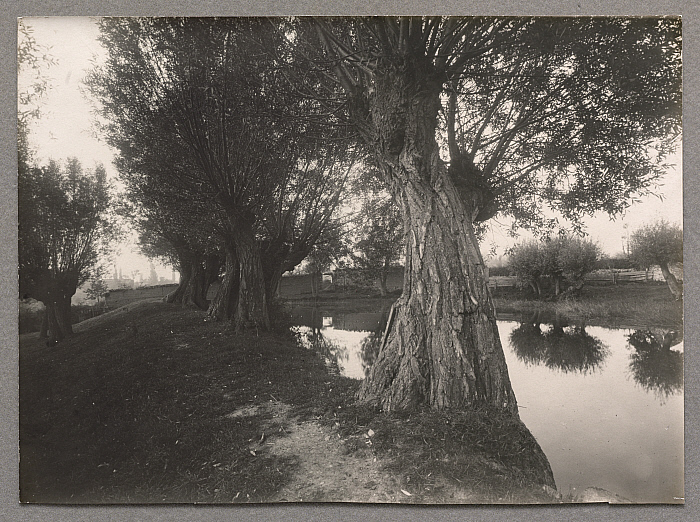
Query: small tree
(381, 238)
(527, 263)
(564, 260)
(64, 228)
(575, 258)
(97, 289)
(659, 243)
(328, 250)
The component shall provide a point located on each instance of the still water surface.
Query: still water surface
(605, 404)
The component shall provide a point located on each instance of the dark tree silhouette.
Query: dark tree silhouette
(64, 229)
(654, 365)
(208, 91)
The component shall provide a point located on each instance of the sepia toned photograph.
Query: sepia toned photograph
(388, 260)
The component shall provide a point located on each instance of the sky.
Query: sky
(66, 129)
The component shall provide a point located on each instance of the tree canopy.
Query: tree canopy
(659, 243)
(470, 117)
(562, 259)
(577, 114)
(202, 106)
(466, 118)
(64, 228)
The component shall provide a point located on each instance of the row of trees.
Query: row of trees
(236, 136)
(228, 168)
(464, 118)
(567, 260)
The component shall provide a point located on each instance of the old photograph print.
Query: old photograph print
(421, 260)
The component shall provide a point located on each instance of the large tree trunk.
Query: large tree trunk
(196, 292)
(196, 274)
(55, 332)
(63, 313)
(442, 347)
(673, 284)
(223, 305)
(178, 295)
(58, 317)
(251, 309)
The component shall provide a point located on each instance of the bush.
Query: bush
(497, 271)
(561, 260)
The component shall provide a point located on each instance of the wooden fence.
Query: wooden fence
(621, 276)
(502, 281)
(598, 277)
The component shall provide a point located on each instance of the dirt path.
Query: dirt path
(327, 472)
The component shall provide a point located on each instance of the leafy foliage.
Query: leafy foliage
(204, 120)
(64, 228)
(656, 244)
(577, 114)
(97, 289)
(32, 62)
(64, 224)
(561, 259)
(379, 228)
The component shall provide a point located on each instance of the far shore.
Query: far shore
(631, 305)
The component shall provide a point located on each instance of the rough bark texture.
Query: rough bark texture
(178, 295)
(673, 284)
(223, 305)
(196, 290)
(441, 347)
(251, 308)
(196, 274)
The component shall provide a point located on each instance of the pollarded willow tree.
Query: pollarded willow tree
(64, 228)
(177, 228)
(210, 93)
(659, 243)
(469, 117)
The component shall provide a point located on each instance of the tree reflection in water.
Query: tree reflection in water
(312, 337)
(562, 347)
(654, 365)
(332, 352)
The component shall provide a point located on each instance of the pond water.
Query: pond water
(605, 404)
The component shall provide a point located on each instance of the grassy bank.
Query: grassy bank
(631, 304)
(158, 405)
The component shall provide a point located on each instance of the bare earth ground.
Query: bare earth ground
(326, 472)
